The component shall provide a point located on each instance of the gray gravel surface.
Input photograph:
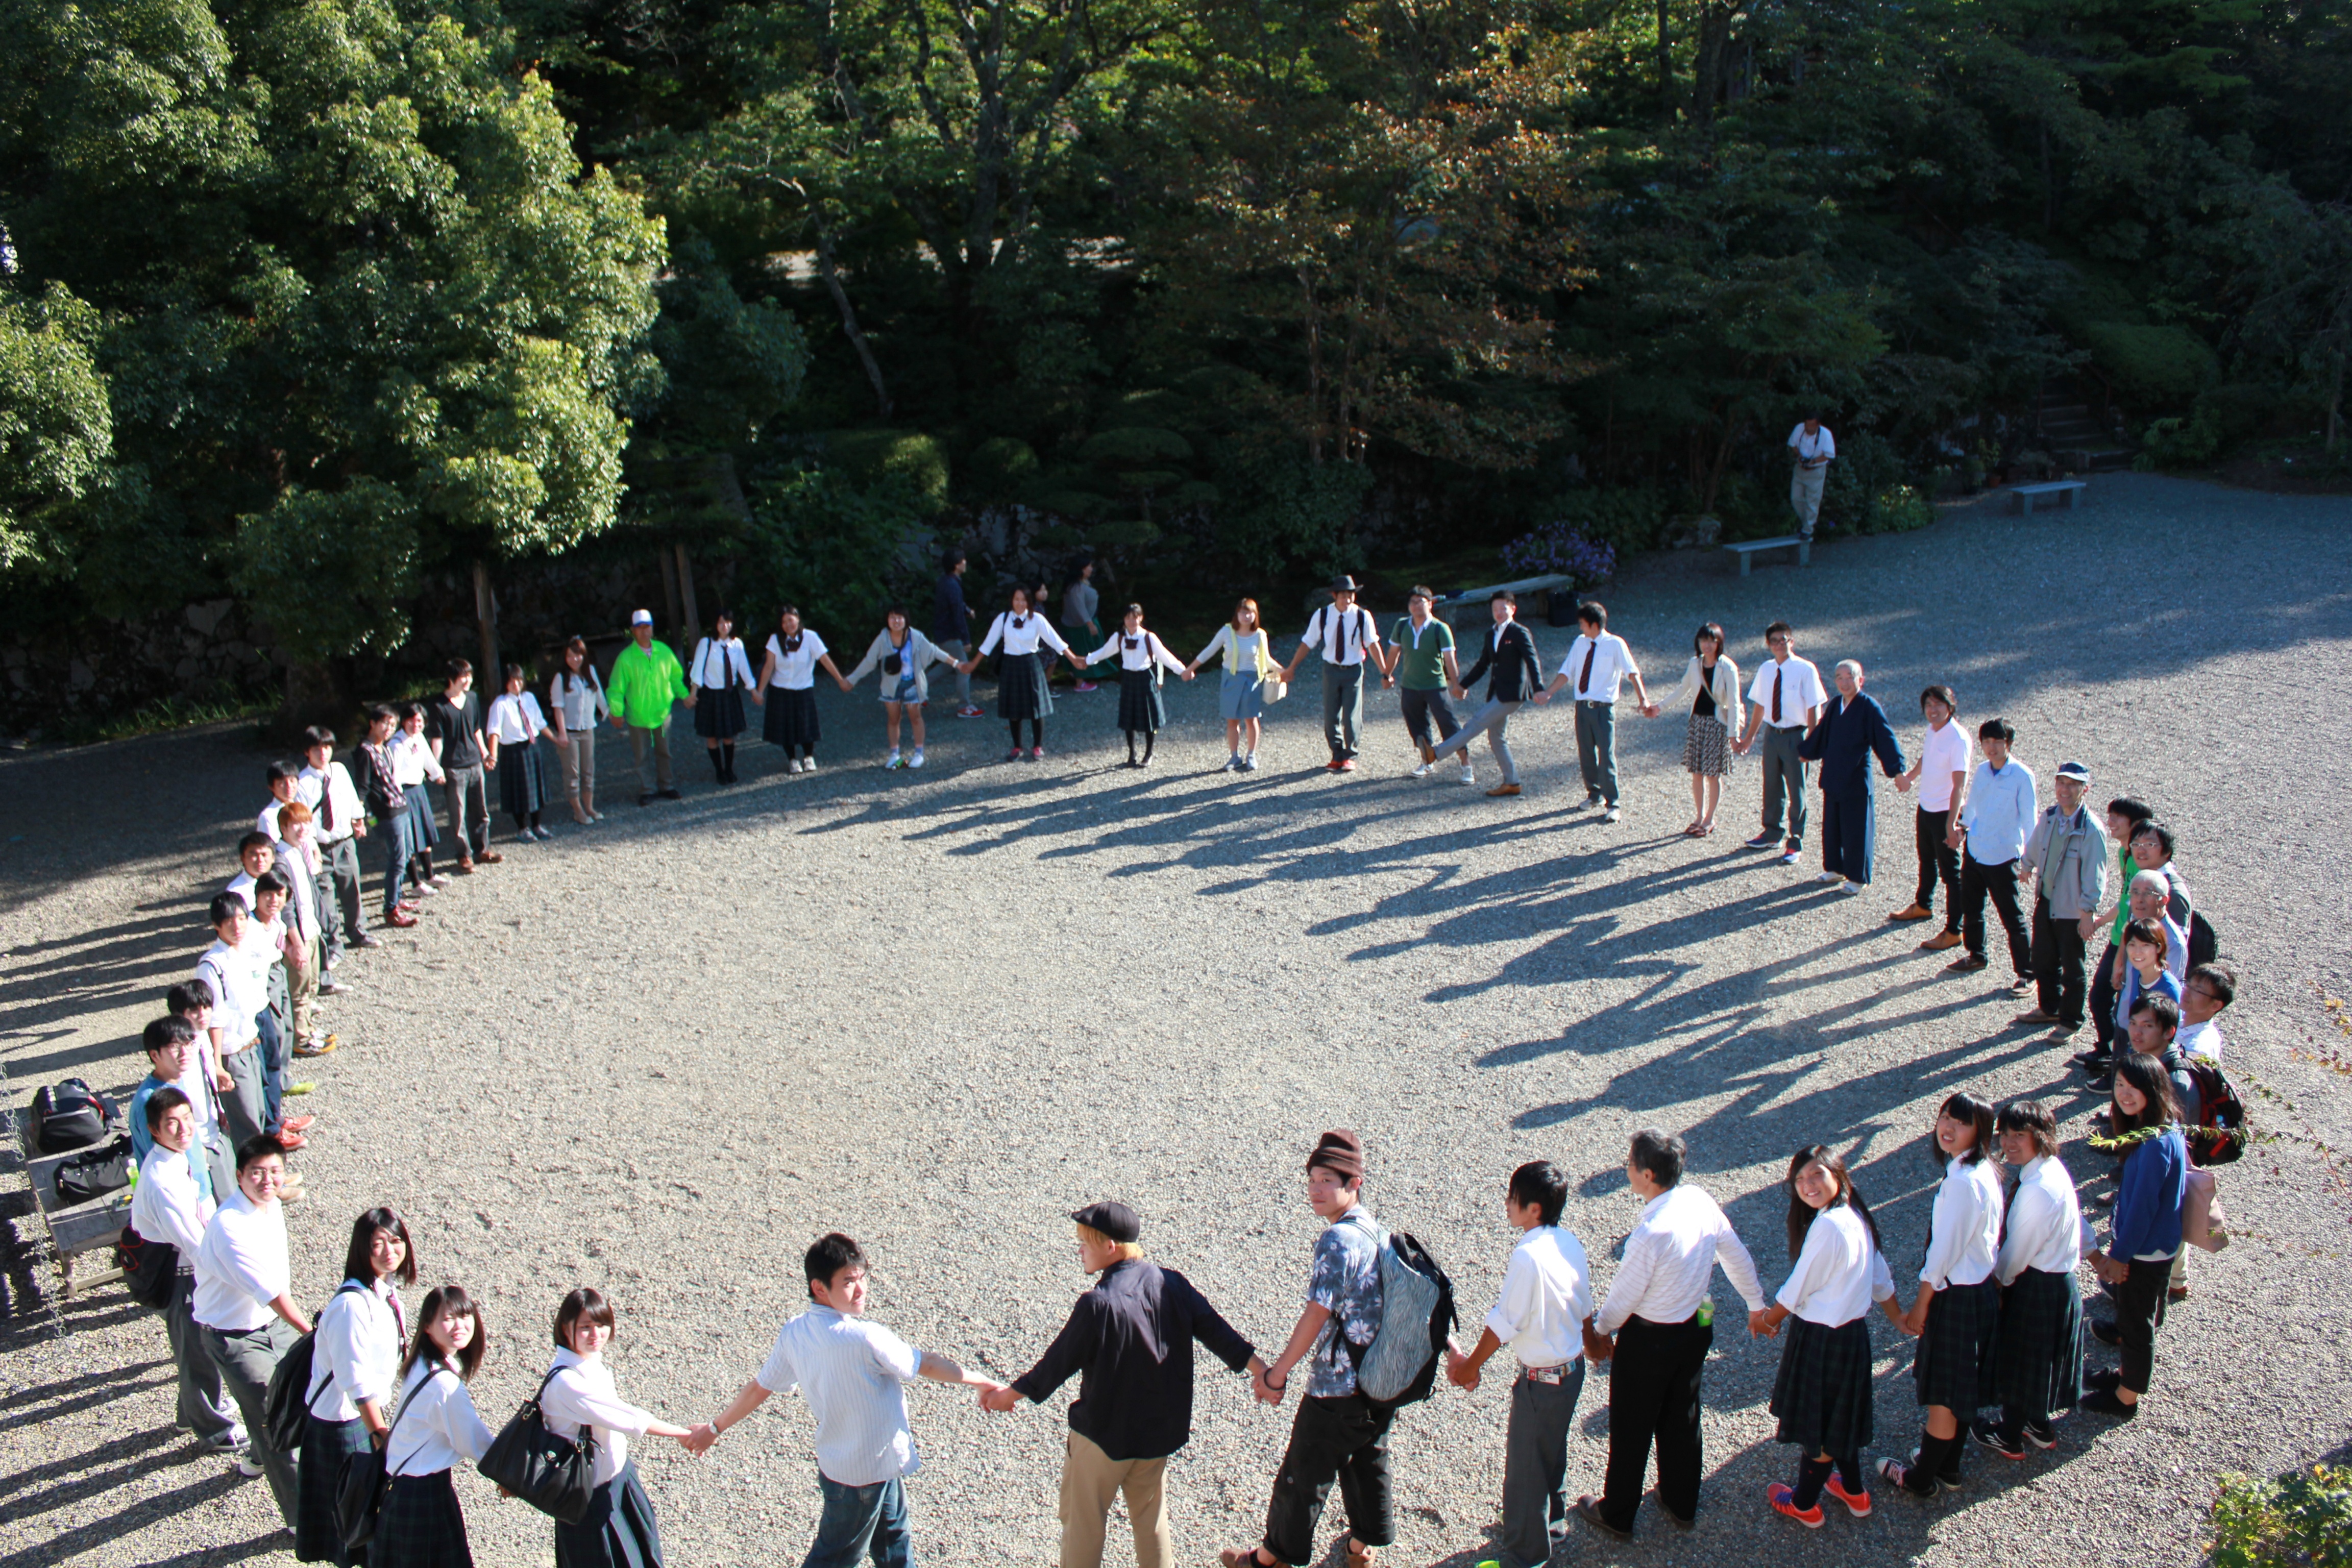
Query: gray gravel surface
(939, 1010)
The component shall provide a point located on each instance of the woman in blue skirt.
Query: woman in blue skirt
(435, 1430)
(618, 1530)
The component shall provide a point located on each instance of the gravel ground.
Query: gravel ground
(939, 1010)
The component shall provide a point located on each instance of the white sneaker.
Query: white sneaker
(228, 1442)
(894, 760)
(917, 759)
(427, 888)
(1249, 763)
(808, 765)
(1847, 886)
(247, 1465)
(1233, 764)
(1422, 772)
(1827, 876)
(1610, 814)
(1469, 775)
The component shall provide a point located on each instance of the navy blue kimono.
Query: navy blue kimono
(1844, 743)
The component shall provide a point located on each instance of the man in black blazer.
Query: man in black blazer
(1509, 653)
(1853, 729)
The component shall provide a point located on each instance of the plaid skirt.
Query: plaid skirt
(1707, 749)
(1953, 1367)
(420, 1526)
(1140, 710)
(718, 712)
(326, 1446)
(522, 780)
(791, 718)
(617, 1531)
(2038, 1354)
(1020, 689)
(1822, 1392)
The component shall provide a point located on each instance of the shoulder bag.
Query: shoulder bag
(554, 1475)
(367, 1476)
(285, 1407)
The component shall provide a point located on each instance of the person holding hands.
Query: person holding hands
(1598, 662)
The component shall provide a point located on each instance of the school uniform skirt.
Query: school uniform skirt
(1822, 1392)
(326, 1445)
(718, 712)
(2038, 1354)
(617, 1531)
(1706, 750)
(1954, 1366)
(1020, 689)
(1140, 710)
(420, 1525)
(423, 836)
(790, 718)
(522, 780)
(1238, 696)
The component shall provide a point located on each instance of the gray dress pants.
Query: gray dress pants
(1596, 748)
(1784, 779)
(202, 1409)
(1535, 1467)
(1343, 708)
(246, 1360)
(1491, 720)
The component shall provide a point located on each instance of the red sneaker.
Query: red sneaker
(1856, 1503)
(1784, 1503)
(400, 918)
(291, 1141)
(297, 1123)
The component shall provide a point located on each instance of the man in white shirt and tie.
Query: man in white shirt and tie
(1782, 703)
(1344, 635)
(1657, 1325)
(340, 822)
(1812, 448)
(1598, 663)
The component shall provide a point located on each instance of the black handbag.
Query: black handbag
(554, 1475)
(151, 1270)
(359, 1493)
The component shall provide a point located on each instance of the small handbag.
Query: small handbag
(359, 1494)
(1273, 689)
(554, 1475)
(2202, 1222)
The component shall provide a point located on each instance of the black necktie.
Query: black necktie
(1776, 694)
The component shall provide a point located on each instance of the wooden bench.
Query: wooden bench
(2071, 489)
(1746, 548)
(75, 1230)
(1448, 605)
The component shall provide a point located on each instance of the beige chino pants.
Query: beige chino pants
(1091, 1480)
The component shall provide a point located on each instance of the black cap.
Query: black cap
(1116, 1221)
(1343, 583)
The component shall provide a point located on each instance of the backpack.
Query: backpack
(1417, 1317)
(97, 1174)
(2221, 1117)
(151, 1270)
(69, 1115)
(286, 1406)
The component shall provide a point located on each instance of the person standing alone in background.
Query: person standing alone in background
(1813, 449)
(951, 629)
(1942, 774)
(1079, 608)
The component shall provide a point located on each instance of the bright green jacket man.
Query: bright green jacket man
(646, 680)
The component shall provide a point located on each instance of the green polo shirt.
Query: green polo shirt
(1421, 667)
(644, 682)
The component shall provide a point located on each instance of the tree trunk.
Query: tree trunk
(1666, 60)
(1706, 74)
(485, 619)
(2048, 183)
(315, 694)
(831, 271)
(673, 622)
(693, 624)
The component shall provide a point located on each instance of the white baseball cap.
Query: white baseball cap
(642, 618)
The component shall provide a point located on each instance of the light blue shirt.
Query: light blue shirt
(2000, 812)
(853, 1372)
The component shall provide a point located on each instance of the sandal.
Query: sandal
(1705, 828)
(1245, 1558)
(1356, 1559)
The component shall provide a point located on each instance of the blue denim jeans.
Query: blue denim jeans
(273, 1070)
(861, 1521)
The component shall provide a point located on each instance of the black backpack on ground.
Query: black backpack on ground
(69, 1115)
(97, 1174)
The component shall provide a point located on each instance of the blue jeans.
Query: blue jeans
(273, 1070)
(860, 1521)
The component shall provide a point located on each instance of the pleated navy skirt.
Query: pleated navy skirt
(718, 712)
(1140, 710)
(2038, 1355)
(1822, 1392)
(1020, 689)
(1954, 1368)
(420, 1526)
(522, 780)
(617, 1531)
(326, 1445)
(423, 834)
(791, 718)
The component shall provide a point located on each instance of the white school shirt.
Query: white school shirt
(1341, 639)
(241, 1265)
(719, 664)
(2047, 1230)
(261, 952)
(436, 1426)
(315, 789)
(1547, 1295)
(356, 1347)
(854, 1373)
(1613, 661)
(515, 719)
(1945, 751)
(1839, 1272)
(238, 996)
(1820, 443)
(166, 1206)
(266, 822)
(1669, 1256)
(1025, 638)
(1964, 1236)
(1148, 651)
(797, 670)
(413, 760)
(1800, 688)
(582, 706)
(1256, 648)
(302, 897)
(581, 1395)
(2202, 1041)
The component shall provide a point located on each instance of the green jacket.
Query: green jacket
(644, 682)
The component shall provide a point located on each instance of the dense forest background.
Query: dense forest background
(330, 314)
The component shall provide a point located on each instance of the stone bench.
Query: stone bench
(1746, 548)
(1449, 606)
(2071, 489)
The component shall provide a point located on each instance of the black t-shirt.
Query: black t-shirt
(1705, 707)
(455, 724)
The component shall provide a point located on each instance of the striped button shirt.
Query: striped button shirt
(853, 1373)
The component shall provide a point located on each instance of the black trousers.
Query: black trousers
(1938, 862)
(1654, 1397)
(2058, 972)
(1420, 707)
(1978, 882)
(2102, 1000)
(1344, 1439)
(2139, 1312)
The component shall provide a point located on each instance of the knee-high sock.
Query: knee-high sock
(1811, 1476)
